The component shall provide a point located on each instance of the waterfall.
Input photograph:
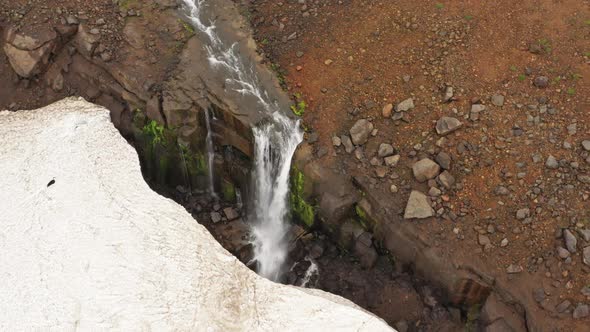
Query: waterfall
(275, 142)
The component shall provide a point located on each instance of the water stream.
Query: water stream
(275, 142)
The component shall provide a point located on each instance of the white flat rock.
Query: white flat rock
(100, 250)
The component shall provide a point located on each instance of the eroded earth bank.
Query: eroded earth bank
(443, 180)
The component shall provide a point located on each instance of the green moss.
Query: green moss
(125, 4)
(300, 208)
(187, 28)
(228, 190)
(154, 132)
(362, 216)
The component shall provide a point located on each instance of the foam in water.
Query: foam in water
(275, 144)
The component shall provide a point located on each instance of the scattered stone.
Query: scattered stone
(501, 191)
(572, 129)
(584, 178)
(418, 206)
(381, 171)
(447, 125)
(360, 131)
(434, 192)
(483, 240)
(385, 150)
(215, 217)
(405, 105)
(571, 242)
(444, 160)
(539, 295)
(586, 145)
(336, 141)
(387, 110)
(551, 163)
(498, 100)
(585, 234)
(562, 252)
(392, 160)
(581, 311)
(523, 213)
(230, 213)
(448, 94)
(586, 256)
(393, 189)
(446, 179)
(425, 169)
(475, 110)
(348, 146)
(541, 81)
(563, 306)
(504, 243)
(513, 269)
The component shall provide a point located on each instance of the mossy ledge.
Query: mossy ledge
(302, 211)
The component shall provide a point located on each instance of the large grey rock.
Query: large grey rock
(581, 311)
(116, 246)
(348, 146)
(571, 242)
(385, 150)
(418, 206)
(498, 100)
(360, 131)
(446, 179)
(425, 169)
(551, 162)
(447, 125)
(405, 105)
(444, 160)
(28, 54)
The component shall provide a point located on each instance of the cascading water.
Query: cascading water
(275, 143)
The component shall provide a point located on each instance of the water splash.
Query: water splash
(312, 271)
(275, 144)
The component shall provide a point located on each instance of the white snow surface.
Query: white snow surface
(99, 250)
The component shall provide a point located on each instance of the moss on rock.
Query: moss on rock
(302, 210)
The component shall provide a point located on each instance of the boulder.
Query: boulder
(444, 160)
(99, 232)
(447, 125)
(446, 179)
(348, 146)
(586, 256)
(27, 54)
(418, 206)
(360, 131)
(425, 169)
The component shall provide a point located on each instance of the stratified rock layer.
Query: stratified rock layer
(86, 244)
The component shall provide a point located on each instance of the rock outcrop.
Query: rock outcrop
(88, 245)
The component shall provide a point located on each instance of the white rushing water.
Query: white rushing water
(275, 143)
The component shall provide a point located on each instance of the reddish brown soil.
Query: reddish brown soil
(480, 48)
